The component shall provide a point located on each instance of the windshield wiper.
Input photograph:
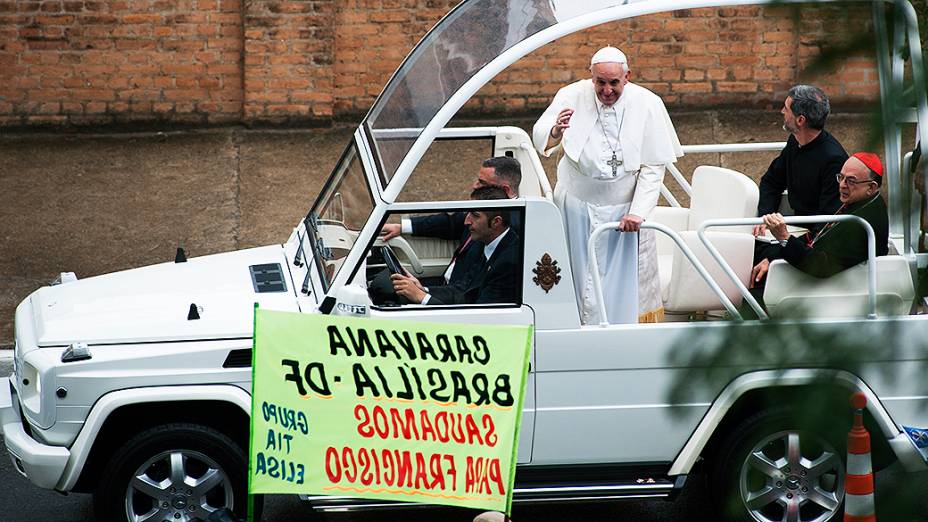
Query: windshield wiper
(300, 254)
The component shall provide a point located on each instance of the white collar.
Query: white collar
(491, 246)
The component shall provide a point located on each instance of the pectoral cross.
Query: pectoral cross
(614, 163)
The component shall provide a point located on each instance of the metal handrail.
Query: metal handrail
(792, 220)
(597, 280)
(734, 147)
(678, 176)
(714, 148)
(536, 163)
(669, 196)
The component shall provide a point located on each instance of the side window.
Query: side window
(447, 170)
(442, 259)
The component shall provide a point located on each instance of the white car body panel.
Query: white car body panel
(150, 304)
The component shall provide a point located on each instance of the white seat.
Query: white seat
(717, 193)
(793, 293)
(689, 292)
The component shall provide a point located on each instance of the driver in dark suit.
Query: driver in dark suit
(500, 171)
(486, 276)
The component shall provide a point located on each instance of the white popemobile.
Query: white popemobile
(136, 385)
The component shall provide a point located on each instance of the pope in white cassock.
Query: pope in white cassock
(616, 139)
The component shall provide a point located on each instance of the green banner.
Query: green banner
(390, 410)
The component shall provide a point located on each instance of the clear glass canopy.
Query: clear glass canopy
(459, 46)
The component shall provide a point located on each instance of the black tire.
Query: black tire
(189, 450)
(754, 476)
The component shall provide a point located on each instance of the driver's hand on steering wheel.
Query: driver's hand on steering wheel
(390, 231)
(409, 287)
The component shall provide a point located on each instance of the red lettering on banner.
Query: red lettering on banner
(488, 425)
(422, 471)
(408, 428)
(406, 424)
(380, 423)
(364, 420)
(334, 472)
(481, 471)
(472, 430)
(426, 426)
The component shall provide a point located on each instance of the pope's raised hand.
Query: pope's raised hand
(562, 122)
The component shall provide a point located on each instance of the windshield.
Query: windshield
(338, 215)
(464, 42)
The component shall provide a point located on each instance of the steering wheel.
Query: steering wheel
(393, 262)
(403, 246)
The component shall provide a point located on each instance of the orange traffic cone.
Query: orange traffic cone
(858, 498)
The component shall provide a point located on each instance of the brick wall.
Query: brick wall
(288, 60)
(93, 62)
(309, 61)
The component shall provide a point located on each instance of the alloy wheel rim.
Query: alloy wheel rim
(177, 486)
(792, 476)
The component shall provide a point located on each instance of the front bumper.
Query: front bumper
(42, 465)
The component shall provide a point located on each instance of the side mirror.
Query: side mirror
(352, 301)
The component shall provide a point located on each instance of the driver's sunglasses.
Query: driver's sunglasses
(851, 182)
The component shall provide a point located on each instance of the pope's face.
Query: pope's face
(609, 80)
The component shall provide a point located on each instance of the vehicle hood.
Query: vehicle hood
(153, 303)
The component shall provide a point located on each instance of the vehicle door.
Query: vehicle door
(431, 271)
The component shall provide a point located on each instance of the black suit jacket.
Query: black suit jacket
(441, 225)
(494, 281)
(451, 226)
(842, 245)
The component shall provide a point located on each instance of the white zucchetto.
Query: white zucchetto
(608, 55)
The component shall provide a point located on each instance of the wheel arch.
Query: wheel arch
(754, 390)
(118, 415)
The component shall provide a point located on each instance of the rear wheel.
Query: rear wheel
(774, 468)
(174, 472)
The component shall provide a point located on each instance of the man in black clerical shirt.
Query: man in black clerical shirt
(806, 167)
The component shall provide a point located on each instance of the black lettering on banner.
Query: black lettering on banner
(405, 341)
(502, 394)
(481, 389)
(335, 341)
(425, 347)
(294, 375)
(460, 387)
(438, 383)
(319, 384)
(444, 347)
(362, 344)
(384, 344)
(362, 381)
(464, 354)
(415, 375)
(481, 351)
(406, 392)
(383, 382)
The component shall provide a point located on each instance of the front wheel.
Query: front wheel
(174, 472)
(773, 468)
